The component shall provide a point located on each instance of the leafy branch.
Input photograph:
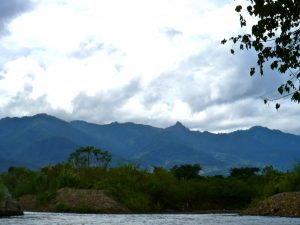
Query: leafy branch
(276, 39)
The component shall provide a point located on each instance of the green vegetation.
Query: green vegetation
(186, 171)
(61, 207)
(181, 188)
(89, 156)
(244, 173)
(2, 192)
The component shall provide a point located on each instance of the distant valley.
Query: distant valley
(41, 140)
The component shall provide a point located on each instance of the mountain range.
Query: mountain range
(40, 140)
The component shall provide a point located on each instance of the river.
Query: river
(31, 218)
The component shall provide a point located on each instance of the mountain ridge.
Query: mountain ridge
(42, 139)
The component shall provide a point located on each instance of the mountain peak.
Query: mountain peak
(259, 128)
(178, 126)
(41, 115)
(36, 116)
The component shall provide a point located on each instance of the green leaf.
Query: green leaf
(249, 9)
(232, 51)
(287, 89)
(277, 106)
(223, 41)
(238, 8)
(280, 89)
(252, 71)
(274, 65)
(296, 97)
(242, 21)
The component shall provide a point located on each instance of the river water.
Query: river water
(31, 218)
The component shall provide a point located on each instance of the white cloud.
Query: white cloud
(151, 62)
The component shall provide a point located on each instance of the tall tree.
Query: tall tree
(102, 157)
(186, 171)
(276, 38)
(89, 156)
(244, 172)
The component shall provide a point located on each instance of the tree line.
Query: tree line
(180, 188)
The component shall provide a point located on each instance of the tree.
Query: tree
(270, 171)
(89, 156)
(276, 38)
(4, 194)
(19, 180)
(244, 172)
(186, 171)
(103, 158)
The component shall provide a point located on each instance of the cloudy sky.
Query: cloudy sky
(152, 62)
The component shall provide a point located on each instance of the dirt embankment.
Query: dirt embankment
(10, 208)
(283, 204)
(74, 200)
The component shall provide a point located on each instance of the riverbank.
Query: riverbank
(94, 201)
(10, 208)
(283, 204)
(74, 200)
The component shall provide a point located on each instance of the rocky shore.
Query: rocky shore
(282, 204)
(10, 208)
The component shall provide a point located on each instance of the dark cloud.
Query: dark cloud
(22, 104)
(106, 106)
(9, 9)
(229, 77)
(212, 78)
(218, 85)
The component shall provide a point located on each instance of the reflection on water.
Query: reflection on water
(31, 218)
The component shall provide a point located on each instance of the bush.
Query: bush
(45, 197)
(68, 179)
(143, 191)
(19, 181)
(62, 207)
(2, 192)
